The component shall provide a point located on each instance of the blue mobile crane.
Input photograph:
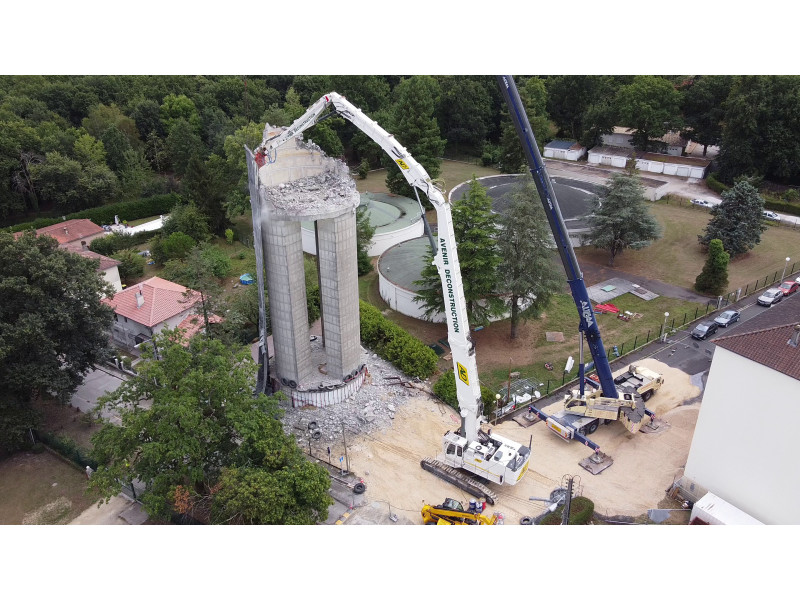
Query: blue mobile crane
(584, 410)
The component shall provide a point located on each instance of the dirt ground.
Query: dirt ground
(645, 464)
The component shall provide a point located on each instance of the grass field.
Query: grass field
(40, 488)
(677, 258)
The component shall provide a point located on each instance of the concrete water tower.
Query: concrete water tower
(303, 184)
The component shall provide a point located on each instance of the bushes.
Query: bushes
(784, 207)
(115, 242)
(68, 449)
(714, 184)
(580, 513)
(132, 266)
(395, 345)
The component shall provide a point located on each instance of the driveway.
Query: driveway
(98, 382)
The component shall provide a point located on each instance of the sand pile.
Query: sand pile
(645, 463)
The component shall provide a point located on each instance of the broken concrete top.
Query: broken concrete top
(302, 183)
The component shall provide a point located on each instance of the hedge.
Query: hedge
(397, 346)
(104, 215)
(784, 207)
(715, 185)
(68, 449)
(580, 513)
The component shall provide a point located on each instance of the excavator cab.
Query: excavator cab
(451, 504)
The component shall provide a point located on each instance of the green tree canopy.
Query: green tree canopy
(53, 327)
(713, 279)
(464, 113)
(622, 218)
(414, 125)
(761, 131)
(704, 108)
(364, 233)
(534, 97)
(526, 247)
(475, 227)
(191, 430)
(737, 221)
(651, 105)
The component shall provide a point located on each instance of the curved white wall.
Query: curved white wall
(402, 300)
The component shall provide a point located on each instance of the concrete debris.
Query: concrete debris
(370, 410)
(319, 194)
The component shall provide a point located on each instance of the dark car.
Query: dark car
(704, 329)
(789, 287)
(729, 317)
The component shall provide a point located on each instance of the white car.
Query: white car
(771, 216)
(701, 202)
(770, 297)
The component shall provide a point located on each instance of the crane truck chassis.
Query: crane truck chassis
(584, 409)
(489, 456)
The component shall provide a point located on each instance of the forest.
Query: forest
(71, 143)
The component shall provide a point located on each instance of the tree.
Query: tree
(760, 131)
(89, 150)
(414, 125)
(526, 246)
(116, 145)
(651, 105)
(534, 98)
(464, 112)
(475, 228)
(183, 143)
(53, 327)
(132, 266)
(188, 219)
(704, 108)
(177, 107)
(570, 97)
(364, 233)
(207, 185)
(206, 446)
(713, 279)
(737, 220)
(101, 117)
(622, 219)
(174, 246)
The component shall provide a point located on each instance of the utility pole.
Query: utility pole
(347, 460)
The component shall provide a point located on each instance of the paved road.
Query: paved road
(103, 379)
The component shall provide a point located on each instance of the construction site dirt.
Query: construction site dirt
(645, 464)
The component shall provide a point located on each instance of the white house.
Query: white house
(141, 311)
(744, 449)
(564, 149)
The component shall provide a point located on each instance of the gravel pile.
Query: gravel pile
(371, 409)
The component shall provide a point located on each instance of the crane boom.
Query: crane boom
(588, 321)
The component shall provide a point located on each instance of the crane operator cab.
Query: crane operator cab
(492, 457)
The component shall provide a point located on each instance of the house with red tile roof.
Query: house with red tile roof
(75, 236)
(743, 450)
(143, 310)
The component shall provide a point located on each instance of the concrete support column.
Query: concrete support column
(287, 299)
(339, 292)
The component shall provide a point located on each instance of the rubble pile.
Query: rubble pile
(323, 193)
(371, 409)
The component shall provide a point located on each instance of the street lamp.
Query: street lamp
(784, 268)
(666, 316)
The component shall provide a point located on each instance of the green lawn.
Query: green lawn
(677, 258)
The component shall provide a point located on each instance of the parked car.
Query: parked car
(789, 287)
(729, 317)
(704, 329)
(770, 297)
(771, 216)
(701, 202)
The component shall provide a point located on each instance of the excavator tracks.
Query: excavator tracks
(458, 479)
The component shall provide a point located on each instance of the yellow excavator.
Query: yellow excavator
(452, 512)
